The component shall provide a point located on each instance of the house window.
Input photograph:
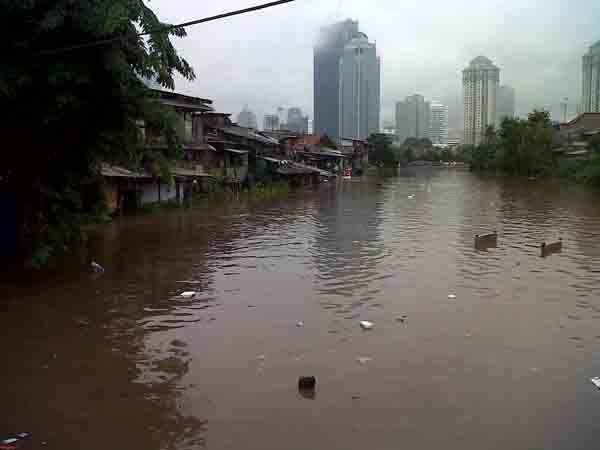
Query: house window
(188, 127)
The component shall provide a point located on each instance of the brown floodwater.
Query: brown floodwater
(121, 361)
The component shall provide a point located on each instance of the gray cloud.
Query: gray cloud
(265, 59)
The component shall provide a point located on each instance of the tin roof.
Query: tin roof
(108, 170)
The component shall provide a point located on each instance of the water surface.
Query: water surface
(122, 361)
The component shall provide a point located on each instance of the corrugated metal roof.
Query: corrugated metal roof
(108, 170)
(314, 169)
(182, 172)
(273, 160)
(248, 134)
(239, 152)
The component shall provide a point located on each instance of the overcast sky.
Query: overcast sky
(265, 59)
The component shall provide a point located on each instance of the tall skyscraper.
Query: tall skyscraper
(505, 103)
(247, 118)
(590, 99)
(412, 118)
(438, 123)
(271, 122)
(296, 121)
(480, 89)
(327, 54)
(359, 103)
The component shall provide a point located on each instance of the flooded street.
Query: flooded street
(122, 361)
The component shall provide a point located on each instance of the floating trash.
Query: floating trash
(366, 325)
(411, 196)
(307, 383)
(451, 296)
(6, 442)
(596, 381)
(299, 324)
(187, 294)
(97, 268)
(364, 360)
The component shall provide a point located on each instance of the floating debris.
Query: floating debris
(411, 196)
(307, 383)
(485, 241)
(187, 294)
(451, 296)
(97, 268)
(596, 381)
(178, 343)
(364, 359)
(299, 324)
(366, 325)
(6, 443)
(547, 249)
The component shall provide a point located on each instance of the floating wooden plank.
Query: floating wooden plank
(484, 241)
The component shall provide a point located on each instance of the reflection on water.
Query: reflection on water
(123, 361)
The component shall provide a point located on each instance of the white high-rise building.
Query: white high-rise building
(590, 100)
(438, 123)
(359, 96)
(480, 89)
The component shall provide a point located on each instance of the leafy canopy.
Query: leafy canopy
(63, 112)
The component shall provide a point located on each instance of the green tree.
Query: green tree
(383, 153)
(524, 146)
(65, 111)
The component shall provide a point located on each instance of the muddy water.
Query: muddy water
(120, 361)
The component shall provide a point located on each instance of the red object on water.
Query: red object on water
(347, 172)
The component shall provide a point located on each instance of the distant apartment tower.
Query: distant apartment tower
(271, 122)
(590, 99)
(247, 118)
(359, 100)
(327, 54)
(438, 123)
(296, 121)
(455, 137)
(412, 118)
(480, 90)
(505, 103)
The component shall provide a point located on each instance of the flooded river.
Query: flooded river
(121, 361)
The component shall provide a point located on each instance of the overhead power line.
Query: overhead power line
(165, 29)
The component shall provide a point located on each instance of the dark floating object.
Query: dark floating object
(483, 241)
(307, 383)
(546, 249)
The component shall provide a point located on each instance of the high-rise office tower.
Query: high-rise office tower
(296, 121)
(359, 101)
(590, 99)
(327, 54)
(271, 122)
(247, 118)
(505, 103)
(412, 118)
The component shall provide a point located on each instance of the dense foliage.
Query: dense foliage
(519, 146)
(66, 110)
(383, 153)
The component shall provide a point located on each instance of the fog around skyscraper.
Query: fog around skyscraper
(265, 59)
(505, 103)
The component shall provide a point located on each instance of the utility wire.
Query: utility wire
(164, 29)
